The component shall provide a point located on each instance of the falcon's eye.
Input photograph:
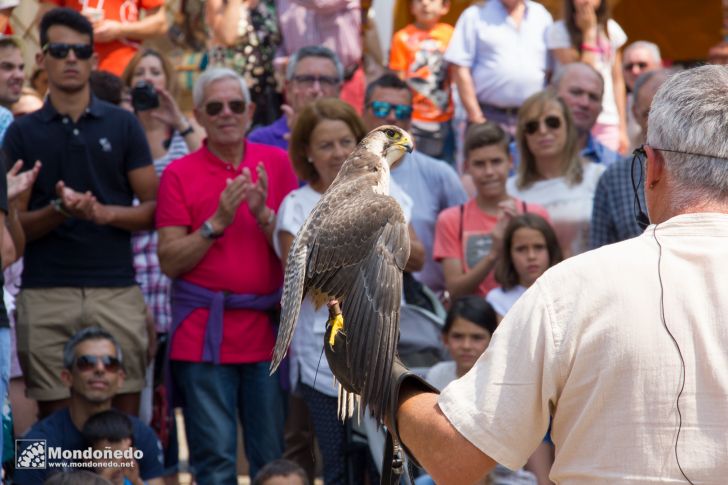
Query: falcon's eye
(392, 134)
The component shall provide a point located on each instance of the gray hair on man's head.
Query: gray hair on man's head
(216, 74)
(88, 333)
(564, 71)
(650, 47)
(314, 51)
(689, 114)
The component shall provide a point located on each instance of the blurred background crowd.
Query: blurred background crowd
(161, 156)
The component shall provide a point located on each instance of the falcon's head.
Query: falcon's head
(391, 141)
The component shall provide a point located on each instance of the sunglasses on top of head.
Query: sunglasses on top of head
(88, 362)
(214, 108)
(381, 109)
(551, 122)
(60, 50)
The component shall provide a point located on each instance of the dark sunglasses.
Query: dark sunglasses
(60, 50)
(641, 65)
(214, 108)
(309, 80)
(551, 122)
(88, 362)
(381, 109)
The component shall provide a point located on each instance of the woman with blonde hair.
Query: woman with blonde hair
(551, 172)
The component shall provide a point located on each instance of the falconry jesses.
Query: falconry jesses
(353, 248)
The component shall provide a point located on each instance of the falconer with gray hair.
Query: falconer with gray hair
(622, 349)
(215, 215)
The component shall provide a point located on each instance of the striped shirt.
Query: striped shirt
(154, 284)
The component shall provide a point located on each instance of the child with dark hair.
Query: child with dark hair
(112, 430)
(530, 247)
(466, 334)
(281, 472)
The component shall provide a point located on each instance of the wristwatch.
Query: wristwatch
(208, 232)
(58, 206)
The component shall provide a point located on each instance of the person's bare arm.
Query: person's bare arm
(5, 14)
(446, 455)
(417, 252)
(620, 97)
(143, 182)
(466, 89)
(180, 250)
(222, 18)
(459, 282)
(285, 241)
(154, 24)
(39, 222)
(14, 234)
(567, 55)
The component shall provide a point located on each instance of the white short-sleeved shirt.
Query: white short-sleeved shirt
(558, 38)
(502, 300)
(586, 344)
(508, 63)
(570, 206)
(306, 361)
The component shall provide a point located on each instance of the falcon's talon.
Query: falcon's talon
(337, 325)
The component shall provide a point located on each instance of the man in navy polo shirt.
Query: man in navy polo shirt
(78, 217)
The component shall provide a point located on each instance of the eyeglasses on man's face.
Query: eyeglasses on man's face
(309, 81)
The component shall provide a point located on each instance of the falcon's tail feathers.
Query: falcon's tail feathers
(346, 403)
(293, 290)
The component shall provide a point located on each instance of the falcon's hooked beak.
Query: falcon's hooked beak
(401, 143)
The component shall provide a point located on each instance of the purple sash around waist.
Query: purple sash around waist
(187, 297)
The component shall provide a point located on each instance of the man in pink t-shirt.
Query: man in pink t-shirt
(215, 214)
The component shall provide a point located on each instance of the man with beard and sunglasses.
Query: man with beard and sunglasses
(93, 371)
(215, 217)
(78, 217)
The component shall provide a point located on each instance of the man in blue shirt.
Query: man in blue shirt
(94, 372)
(313, 72)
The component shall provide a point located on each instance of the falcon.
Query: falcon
(353, 248)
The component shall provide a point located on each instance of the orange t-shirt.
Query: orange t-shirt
(114, 55)
(419, 55)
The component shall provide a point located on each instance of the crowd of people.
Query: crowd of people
(143, 242)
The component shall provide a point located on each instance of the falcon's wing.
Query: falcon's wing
(359, 254)
(371, 315)
(293, 291)
(338, 234)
